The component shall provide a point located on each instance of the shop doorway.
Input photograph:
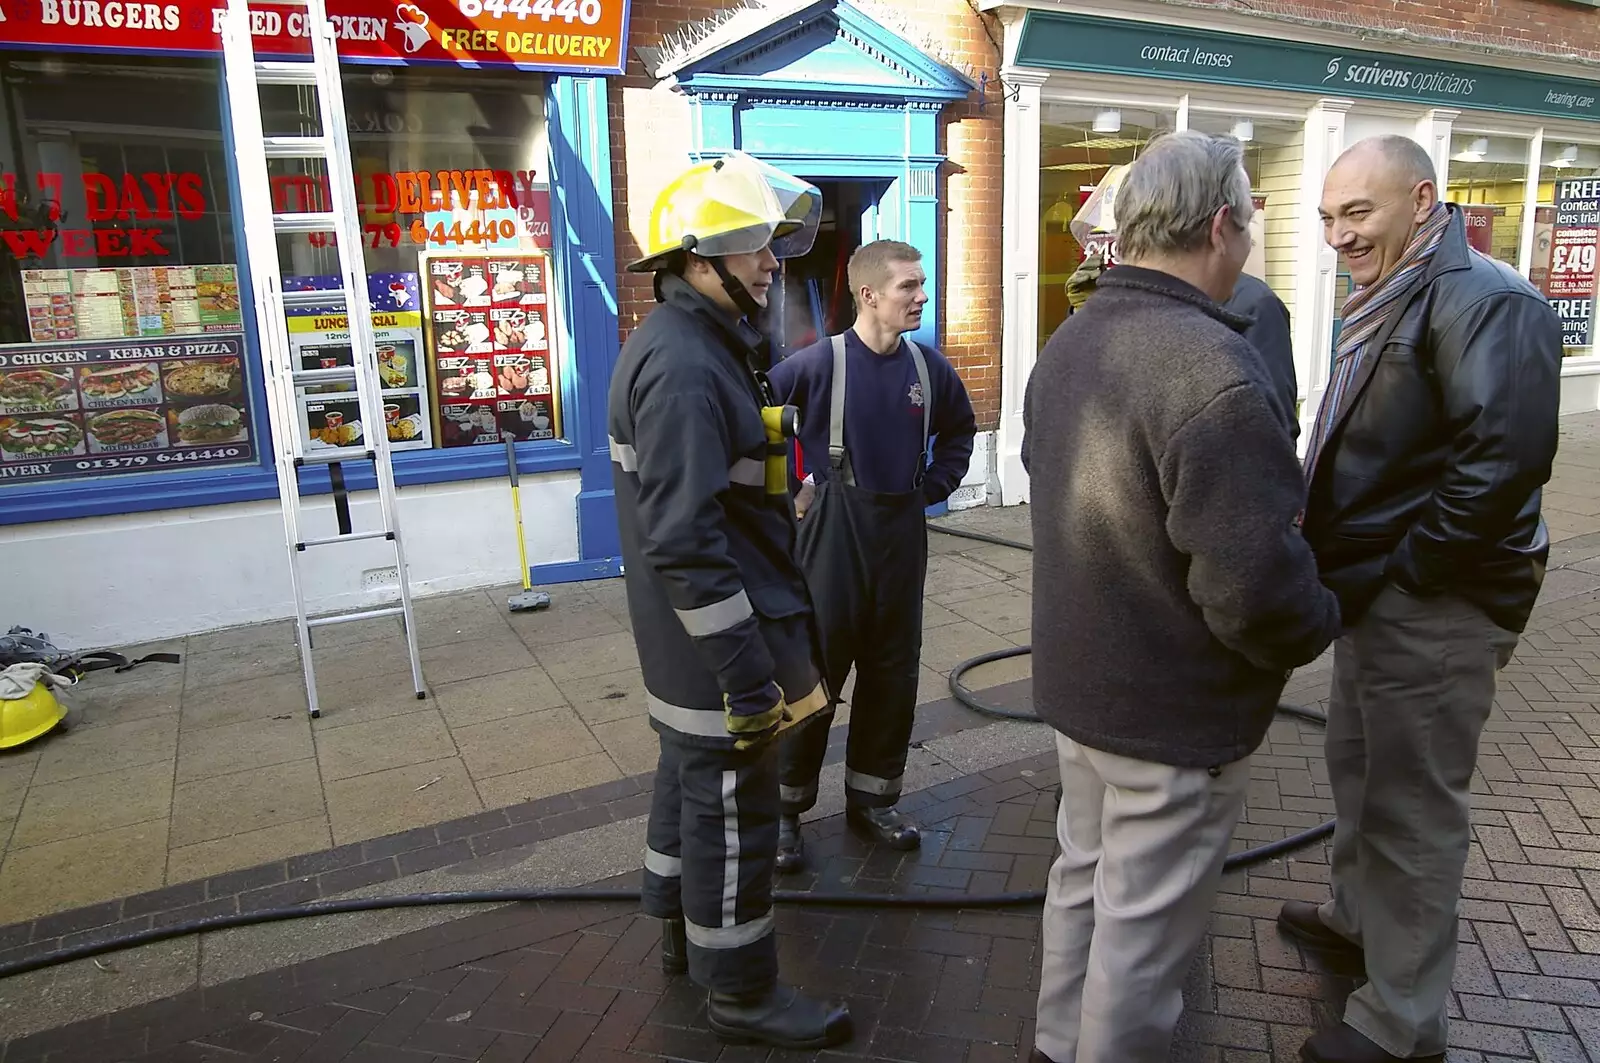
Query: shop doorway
(814, 294)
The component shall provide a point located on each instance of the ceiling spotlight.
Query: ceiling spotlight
(1568, 156)
(1109, 121)
(1244, 130)
(1475, 151)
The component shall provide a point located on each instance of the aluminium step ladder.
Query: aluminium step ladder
(262, 226)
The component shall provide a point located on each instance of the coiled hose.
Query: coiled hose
(114, 942)
(962, 693)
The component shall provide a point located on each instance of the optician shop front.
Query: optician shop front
(1516, 143)
(137, 493)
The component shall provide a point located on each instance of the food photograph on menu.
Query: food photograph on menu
(29, 438)
(333, 422)
(132, 428)
(133, 384)
(489, 348)
(37, 391)
(203, 378)
(526, 419)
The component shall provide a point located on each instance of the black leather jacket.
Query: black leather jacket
(1433, 477)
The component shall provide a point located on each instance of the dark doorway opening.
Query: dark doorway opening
(813, 296)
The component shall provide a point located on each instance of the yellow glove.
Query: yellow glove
(1081, 284)
(754, 729)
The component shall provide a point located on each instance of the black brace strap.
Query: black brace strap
(103, 659)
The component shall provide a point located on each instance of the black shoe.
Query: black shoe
(1346, 1044)
(783, 1017)
(1036, 1056)
(791, 847)
(1301, 921)
(886, 826)
(674, 946)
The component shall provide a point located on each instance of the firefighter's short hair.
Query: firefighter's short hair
(869, 266)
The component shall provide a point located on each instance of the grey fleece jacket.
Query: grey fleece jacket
(1172, 590)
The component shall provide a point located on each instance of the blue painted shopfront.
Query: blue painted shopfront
(580, 160)
(829, 94)
(583, 261)
(823, 91)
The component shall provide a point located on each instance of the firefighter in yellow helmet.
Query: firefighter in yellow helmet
(1082, 283)
(721, 616)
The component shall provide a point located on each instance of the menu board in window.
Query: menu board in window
(329, 414)
(71, 410)
(124, 303)
(491, 348)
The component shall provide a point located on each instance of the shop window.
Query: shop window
(1078, 145)
(1274, 156)
(121, 335)
(1488, 177)
(452, 175)
(1562, 254)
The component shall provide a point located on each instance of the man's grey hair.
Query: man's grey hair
(1175, 188)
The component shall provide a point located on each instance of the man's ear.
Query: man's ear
(1425, 196)
(1221, 222)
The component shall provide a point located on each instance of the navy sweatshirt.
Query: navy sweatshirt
(882, 415)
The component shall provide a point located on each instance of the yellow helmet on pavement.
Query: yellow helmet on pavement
(733, 205)
(31, 716)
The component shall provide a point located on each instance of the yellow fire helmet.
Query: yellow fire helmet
(734, 205)
(30, 716)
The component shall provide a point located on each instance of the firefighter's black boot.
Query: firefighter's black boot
(886, 826)
(674, 947)
(782, 1017)
(791, 847)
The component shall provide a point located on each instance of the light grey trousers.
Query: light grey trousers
(1413, 685)
(1129, 900)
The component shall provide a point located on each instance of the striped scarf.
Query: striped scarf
(1364, 313)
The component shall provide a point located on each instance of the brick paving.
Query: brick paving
(582, 982)
(335, 872)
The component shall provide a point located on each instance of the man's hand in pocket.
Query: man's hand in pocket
(803, 499)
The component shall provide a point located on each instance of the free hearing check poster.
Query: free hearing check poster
(569, 36)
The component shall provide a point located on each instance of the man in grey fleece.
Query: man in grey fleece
(1172, 595)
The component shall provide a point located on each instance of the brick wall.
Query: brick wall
(649, 132)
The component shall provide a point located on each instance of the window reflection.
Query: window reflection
(1488, 177)
(1274, 155)
(1078, 145)
(1562, 262)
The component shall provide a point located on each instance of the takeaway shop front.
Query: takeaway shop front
(137, 494)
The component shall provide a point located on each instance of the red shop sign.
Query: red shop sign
(574, 36)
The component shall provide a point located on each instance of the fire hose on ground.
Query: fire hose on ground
(114, 942)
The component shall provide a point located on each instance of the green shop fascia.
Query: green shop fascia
(1057, 41)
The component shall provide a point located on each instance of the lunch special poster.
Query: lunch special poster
(490, 338)
(320, 339)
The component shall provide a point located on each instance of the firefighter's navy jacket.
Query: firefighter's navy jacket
(718, 605)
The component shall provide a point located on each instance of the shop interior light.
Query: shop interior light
(1244, 130)
(1568, 156)
(1475, 151)
(1108, 121)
